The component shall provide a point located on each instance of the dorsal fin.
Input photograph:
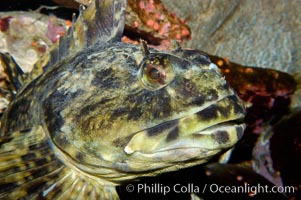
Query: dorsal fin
(101, 21)
(14, 72)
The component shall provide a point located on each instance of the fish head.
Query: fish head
(128, 114)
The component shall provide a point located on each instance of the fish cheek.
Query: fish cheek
(52, 108)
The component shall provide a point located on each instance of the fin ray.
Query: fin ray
(102, 21)
(29, 168)
(14, 72)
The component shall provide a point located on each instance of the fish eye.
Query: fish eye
(156, 71)
(155, 74)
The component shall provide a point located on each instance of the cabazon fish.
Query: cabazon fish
(102, 112)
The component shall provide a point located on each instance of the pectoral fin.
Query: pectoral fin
(29, 169)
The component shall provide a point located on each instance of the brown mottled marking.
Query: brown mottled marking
(221, 136)
(213, 93)
(239, 132)
(198, 100)
(148, 104)
(157, 130)
(173, 134)
(7, 186)
(121, 142)
(84, 111)
(5, 139)
(101, 76)
(236, 106)
(224, 111)
(21, 108)
(208, 113)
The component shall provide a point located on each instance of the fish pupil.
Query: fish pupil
(154, 73)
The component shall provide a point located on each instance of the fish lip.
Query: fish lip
(194, 151)
(238, 121)
(211, 130)
(222, 121)
(185, 151)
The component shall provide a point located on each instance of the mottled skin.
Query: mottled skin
(103, 121)
(114, 112)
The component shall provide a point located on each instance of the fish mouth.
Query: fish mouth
(216, 137)
(185, 151)
(218, 126)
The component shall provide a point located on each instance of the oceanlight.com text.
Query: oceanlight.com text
(159, 188)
